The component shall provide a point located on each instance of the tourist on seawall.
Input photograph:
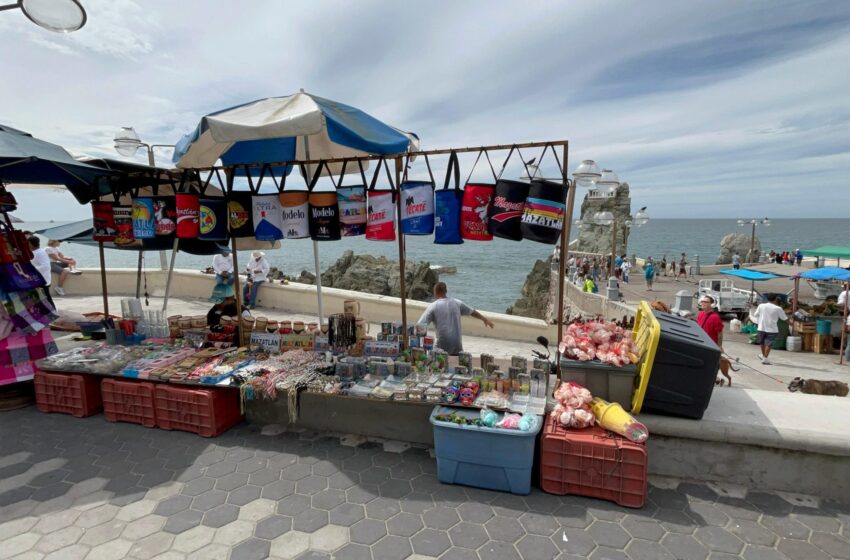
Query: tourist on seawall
(445, 312)
(224, 276)
(258, 271)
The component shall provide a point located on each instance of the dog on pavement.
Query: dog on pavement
(818, 387)
(724, 367)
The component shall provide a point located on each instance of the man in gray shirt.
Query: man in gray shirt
(445, 313)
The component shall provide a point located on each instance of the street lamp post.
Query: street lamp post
(753, 222)
(61, 16)
(127, 143)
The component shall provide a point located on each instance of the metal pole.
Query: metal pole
(843, 325)
(315, 247)
(163, 261)
(170, 273)
(401, 256)
(565, 239)
(103, 279)
(613, 246)
(139, 276)
(794, 303)
(237, 290)
(753, 244)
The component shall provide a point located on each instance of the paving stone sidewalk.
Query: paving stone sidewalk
(85, 488)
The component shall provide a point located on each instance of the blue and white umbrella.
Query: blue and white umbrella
(301, 126)
(297, 127)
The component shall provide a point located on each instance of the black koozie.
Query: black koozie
(505, 214)
(543, 216)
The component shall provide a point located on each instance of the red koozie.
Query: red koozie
(103, 221)
(477, 199)
(188, 216)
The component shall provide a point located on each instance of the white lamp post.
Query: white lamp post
(127, 143)
(608, 181)
(753, 222)
(587, 173)
(61, 16)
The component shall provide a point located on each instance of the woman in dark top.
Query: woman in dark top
(225, 308)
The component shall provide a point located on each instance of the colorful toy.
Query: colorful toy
(468, 393)
(488, 417)
(451, 393)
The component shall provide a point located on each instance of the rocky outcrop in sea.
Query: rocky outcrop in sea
(376, 275)
(535, 292)
(740, 243)
(597, 239)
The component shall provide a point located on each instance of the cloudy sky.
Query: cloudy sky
(707, 109)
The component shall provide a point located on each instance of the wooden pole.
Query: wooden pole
(139, 275)
(565, 240)
(794, 303)
(237, 291)
(103, 279)
(401, 255)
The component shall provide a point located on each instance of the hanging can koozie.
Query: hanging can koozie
(165, 216)
(268, 217)
(505, 214)
(380, 208)
(188, 215)
(324, 212)
(213, 219)
(103, 221)
(239, 214)
(417, 205)
(294, 211)
(123, 218)
(352, 205)
(144, 226)
(447, 206)
(543, 215)
(477, 198)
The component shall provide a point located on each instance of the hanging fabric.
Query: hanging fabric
(543, 216)
(447, 207)
(188, 215)
(144, 226)
(268, 217)
(505, 216)
(295, 209)
(324, 210)
(123, 218)
(213, 219)
(352, 204)
(165, 216)
(417, 203)
(380, 211)
(103, 221)
(477, 198)
(239, 214)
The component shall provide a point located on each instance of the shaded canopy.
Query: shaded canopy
(829, 251)
(752, 275)
(25, 159)
(827, 273)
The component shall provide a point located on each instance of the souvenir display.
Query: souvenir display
(417, 204)
(165, 216)
(123, 219)
(144, 225)
(213, 218)
(188, 209)
(103, 221)
(380, 211)
(267, 217)
(352, 205)
(543, 213)
(447, 207)
(239, 213)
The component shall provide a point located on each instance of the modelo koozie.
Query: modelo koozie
(213, 219)
(447, 207)
(505, 215)
(543, 214)
(188, 215)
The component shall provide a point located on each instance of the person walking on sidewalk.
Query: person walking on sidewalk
(649, 275)
(683, 271)
(767, 315)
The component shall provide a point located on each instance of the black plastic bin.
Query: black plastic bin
(684, 370)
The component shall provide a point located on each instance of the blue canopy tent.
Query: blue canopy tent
(752, 275)
(836, 274)
(297, 127)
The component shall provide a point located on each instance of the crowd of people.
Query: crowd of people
(257, 272)
(786, 257)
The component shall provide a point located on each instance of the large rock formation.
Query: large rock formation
(377, 275)
(597, 239)
(535, 292)
(740, 243)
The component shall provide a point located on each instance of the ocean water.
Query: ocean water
(490, 275)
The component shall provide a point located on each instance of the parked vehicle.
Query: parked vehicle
(729, 298)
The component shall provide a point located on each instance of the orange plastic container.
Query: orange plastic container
(128, 401)
(206, 412)
(68, 393)
(592, 462)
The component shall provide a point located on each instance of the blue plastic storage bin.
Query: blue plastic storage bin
(490, 458)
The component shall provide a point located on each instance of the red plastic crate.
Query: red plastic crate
(592, 462)
(78, 395)
(129, 401)
(206, 412)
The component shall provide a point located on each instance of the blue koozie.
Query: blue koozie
(448, 203)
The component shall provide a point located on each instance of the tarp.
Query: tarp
(81, 233)
(278, 129)
(827, 273)
(25, 159)
(752, 275)
(828, 251)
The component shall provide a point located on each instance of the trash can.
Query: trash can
(612, 383)
(684, 369)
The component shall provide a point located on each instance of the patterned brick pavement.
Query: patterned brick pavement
(85, 488)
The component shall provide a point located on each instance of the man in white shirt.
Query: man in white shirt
(445, 313)
(767, 315)
(41, 262)
(224, 277)
(626, 267)
(258, 270)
